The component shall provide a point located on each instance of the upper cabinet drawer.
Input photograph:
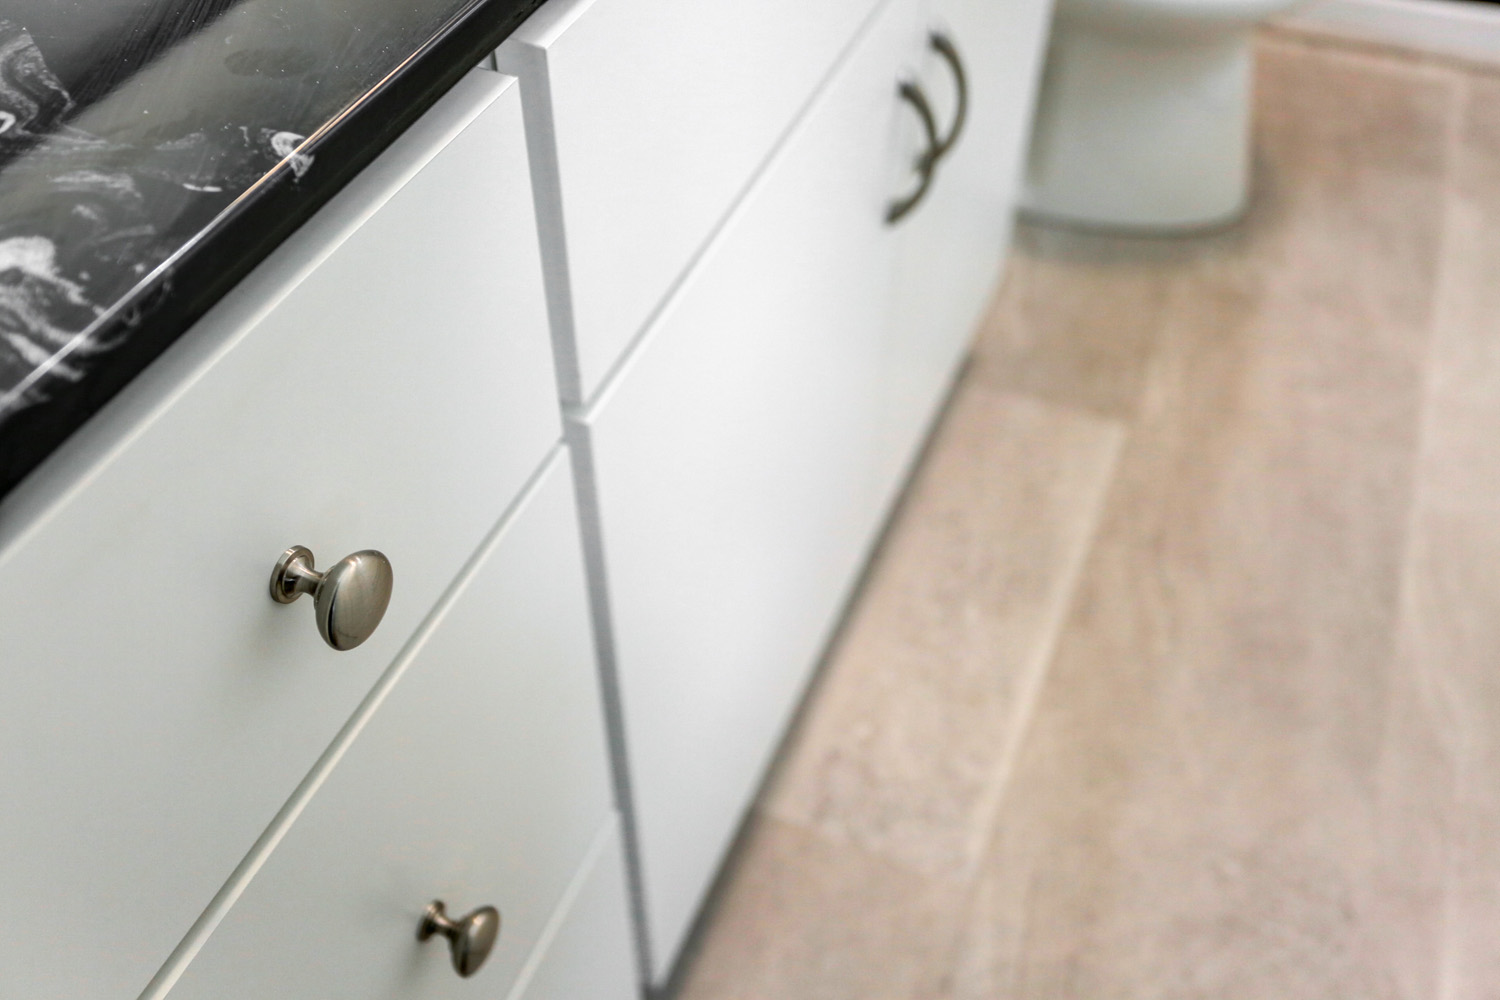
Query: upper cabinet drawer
(661, 112)
(383, 381)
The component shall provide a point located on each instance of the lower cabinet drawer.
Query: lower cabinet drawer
(480, 779)
(383, 380)
(591, 953)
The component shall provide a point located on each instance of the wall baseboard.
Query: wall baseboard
(1462, 29)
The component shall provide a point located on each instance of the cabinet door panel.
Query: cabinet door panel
(382, 381)
(481, 779)
(735, 460)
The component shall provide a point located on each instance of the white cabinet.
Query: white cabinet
(744, 453)
(480, 779)
(649, 117)
(749, 356)
(736, 459)
(383, 381)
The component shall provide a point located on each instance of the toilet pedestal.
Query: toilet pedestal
(1143, 131)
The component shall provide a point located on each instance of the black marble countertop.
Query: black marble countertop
(153, 151)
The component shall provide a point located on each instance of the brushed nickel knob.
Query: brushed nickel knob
(349, 598)
(470, 938)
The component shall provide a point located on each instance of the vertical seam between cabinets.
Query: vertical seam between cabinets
(580, 446)
(530, 65)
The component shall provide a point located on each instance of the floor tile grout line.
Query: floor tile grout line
(1114, 432)
(1039, 670)
(1040, 666)
(1453, 150)
(1037, 667)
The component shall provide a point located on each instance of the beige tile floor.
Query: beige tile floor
(1179, 673)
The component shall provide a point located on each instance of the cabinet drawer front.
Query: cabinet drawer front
(382, 381)
(481, 779)
(591, 955)
(736, 459)
(661, 111)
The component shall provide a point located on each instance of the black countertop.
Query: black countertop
(153, 151)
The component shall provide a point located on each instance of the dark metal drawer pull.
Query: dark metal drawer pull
(926, 162)
(943, 46)
(937, 147)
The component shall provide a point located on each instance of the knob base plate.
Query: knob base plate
(288, 570)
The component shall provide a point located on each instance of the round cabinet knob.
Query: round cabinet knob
(350, 597)
(470, 938)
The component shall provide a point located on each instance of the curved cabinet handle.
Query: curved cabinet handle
(937, 146)
(943, 46)
(470, 938)
(349, 598)
(926, 163)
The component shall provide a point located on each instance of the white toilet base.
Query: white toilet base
(1142, 131)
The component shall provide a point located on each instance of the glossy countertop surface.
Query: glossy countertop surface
(153, 151)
